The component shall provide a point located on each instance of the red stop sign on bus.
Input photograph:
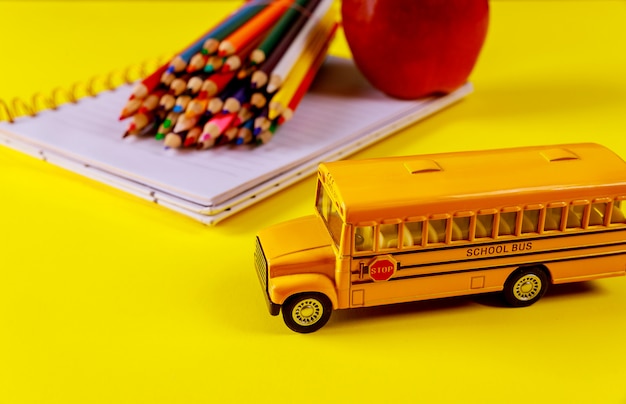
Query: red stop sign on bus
(382, 268)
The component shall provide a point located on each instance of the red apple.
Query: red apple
(413, 48)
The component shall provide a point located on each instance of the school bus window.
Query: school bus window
(575, 215)
(329, 214)
(618, 213)
(364, 238)
(507, 223)
(553, 219)
(597, 213)
(437, 231)
(484, 225)
(460, 228)
(387, 236)
(412, 234)
(530, 221)
(322, 203)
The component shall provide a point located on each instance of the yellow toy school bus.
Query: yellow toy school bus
(412, 228)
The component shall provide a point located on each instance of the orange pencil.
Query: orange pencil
(254, 28)
(197, 106)
(234, 62)
(130, 108)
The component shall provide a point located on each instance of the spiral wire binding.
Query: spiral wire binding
(18, 106)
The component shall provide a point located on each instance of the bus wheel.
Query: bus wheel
(307, 312)
(525, 286)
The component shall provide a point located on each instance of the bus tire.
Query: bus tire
(525, 286)
(306, 312)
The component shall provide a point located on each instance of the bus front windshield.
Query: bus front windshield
(328, 212)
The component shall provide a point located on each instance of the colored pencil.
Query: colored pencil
(166, 125)
(216, 83)
(261, 76)
(185, 122)
(149, 83)
(219, 32)
(253, 28)
(142, 89)
(140, 121)
(174, 140)
(167, 102)
(181, 103)
(234, 102)
(194, 84)
(213, 64)
(323, 12)
(234, 22)
(192, 136)
(197, 106)
(214, 128)
(234, 62)
(215, 105)
(132, 105)
(178, 86)
(288, 21)
(244, 135)
(210, 95)
(197, 62)
(309, 62)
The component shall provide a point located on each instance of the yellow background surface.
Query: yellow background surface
(108, 298)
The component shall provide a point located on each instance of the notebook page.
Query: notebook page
(340, 108)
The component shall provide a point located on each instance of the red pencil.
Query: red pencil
(148, 84)
(216, 83)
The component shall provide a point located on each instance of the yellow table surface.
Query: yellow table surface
(108, 298)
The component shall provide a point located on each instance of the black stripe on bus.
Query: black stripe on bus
(496, 256)
(477, 244)
(490, 268)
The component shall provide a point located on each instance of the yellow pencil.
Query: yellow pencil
(303, 64)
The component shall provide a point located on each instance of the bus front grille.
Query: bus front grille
(261, 264)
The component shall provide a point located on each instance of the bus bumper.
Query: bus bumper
(273, 308)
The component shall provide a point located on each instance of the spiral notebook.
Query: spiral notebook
(341, 114)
